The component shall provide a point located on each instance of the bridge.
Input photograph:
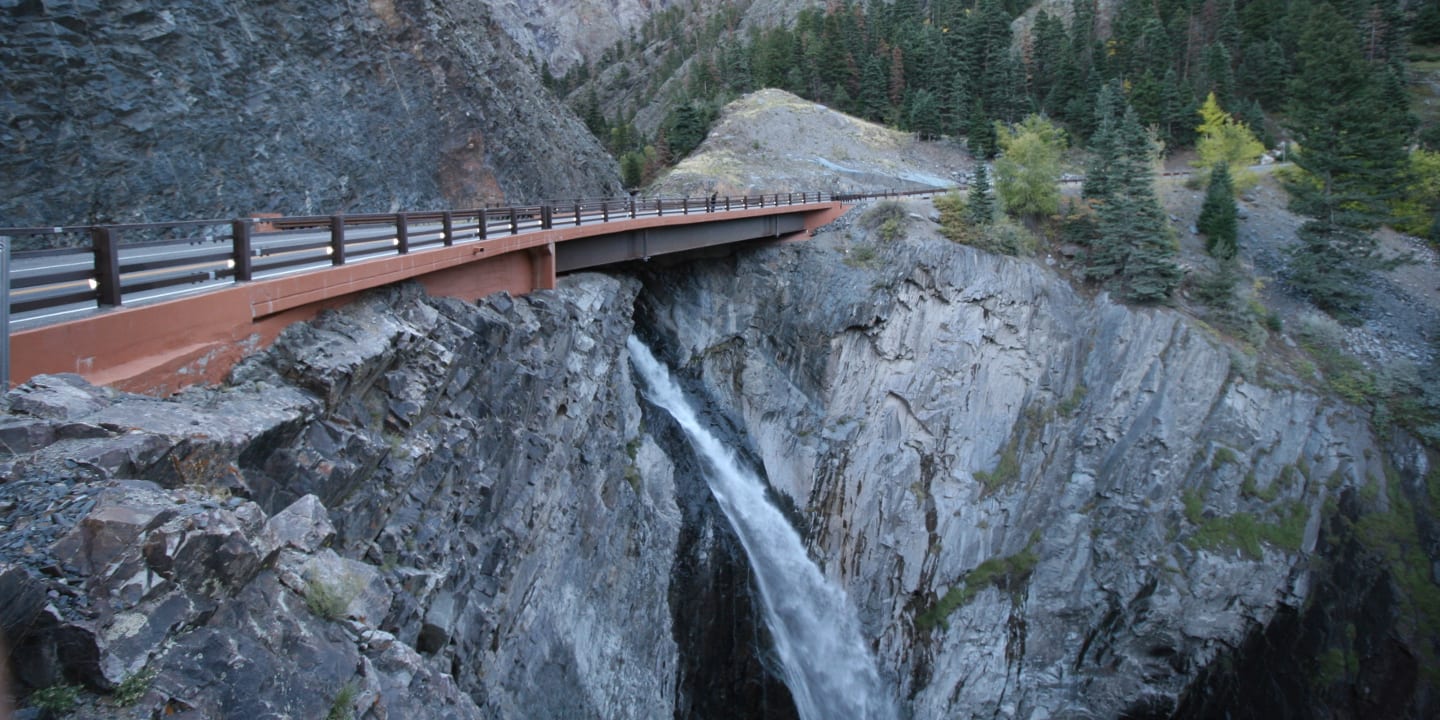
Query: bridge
(156, 307)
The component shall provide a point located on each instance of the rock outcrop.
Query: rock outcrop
(122, 111)
(413, 508)
(1043, 504)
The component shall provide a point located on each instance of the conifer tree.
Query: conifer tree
(1351, 149)
(981, 132)
(925, 115)
(873, 83)
(1133, 241)
(1218, 219)
(1108, 109)
(979, 206)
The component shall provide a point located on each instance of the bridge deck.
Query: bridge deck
(162, 346)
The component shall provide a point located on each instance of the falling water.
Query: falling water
(825, 662)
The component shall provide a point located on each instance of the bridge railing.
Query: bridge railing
(111, 265)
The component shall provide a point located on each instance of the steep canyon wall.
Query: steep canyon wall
(1042, 503)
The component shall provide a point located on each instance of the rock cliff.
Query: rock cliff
(1042, 503)
(1050, 505)
(411, 508)
(122, 111)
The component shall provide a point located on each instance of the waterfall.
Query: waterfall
(825, 662)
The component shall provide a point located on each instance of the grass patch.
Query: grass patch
(888, 219)
(328, 600)
(1268, 494)
(1007, 470)
(343, 706)
(133, 688)
(1069, 405)
(1245, 532)
(863, 255)
(1223, 455)
(1003, 236)
(1005, 573)
(57, 699)
(1394, 536)
(1194, 506)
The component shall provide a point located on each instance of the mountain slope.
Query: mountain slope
(771, 141)
(122, 112)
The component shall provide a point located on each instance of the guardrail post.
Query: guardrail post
(659, 207)
(107, 265)
(4, 313)
(402, 233)
(605, 211)
(483, 220)
(727, 203)
(685, 206)
(514, 227)
(632, 207)
(447, 226)
(547, 217)
(337, 240)
(240, 244)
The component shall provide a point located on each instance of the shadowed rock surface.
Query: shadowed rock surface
(124, 111)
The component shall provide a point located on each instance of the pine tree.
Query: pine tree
(979, 205)
(632, 169)
(981, 132)
(925, 115)
(1351, 154)
(1218, 219)
(873, 101)
(1133, 241)
(1108, 109)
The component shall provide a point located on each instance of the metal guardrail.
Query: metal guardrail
(112, 265)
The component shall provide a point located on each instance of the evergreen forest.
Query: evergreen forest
(957, 68)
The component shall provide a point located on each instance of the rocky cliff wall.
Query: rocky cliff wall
(450, 510)
(125, 111)
(1044, 504)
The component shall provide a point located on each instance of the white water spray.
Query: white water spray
(825, 661)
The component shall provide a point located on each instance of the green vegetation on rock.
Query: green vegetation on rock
(1005, 573)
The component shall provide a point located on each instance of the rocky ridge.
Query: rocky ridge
(773, 141)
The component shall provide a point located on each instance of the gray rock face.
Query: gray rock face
(1043, 504)
(1080, 478)
(121, 111)
(566, 33)
(444, 510)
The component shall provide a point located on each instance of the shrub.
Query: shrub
(888, 219)
(341, 708)
(56, 699)
(328, 600)
(1006, 573)
(133, 688)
